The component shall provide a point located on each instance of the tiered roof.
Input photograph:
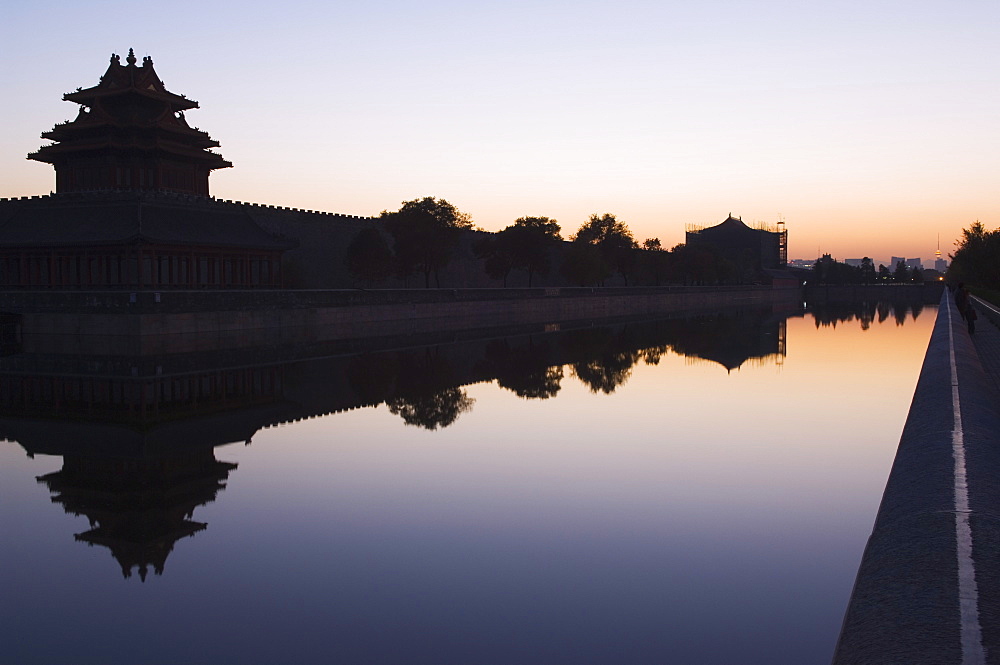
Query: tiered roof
(129, 119)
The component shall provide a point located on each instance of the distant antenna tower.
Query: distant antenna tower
(937, 254)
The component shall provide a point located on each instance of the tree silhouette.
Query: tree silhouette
(867, 270)
(614, 240)
(901, 273)
(584, 265)
(701, 263)
(526, 244)
(426, 232)
(976, 261)
(369, 257)
(532, 241)
(654, 260)
(498, 254)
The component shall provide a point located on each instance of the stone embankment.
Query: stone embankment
(290, 316)
(928, 588)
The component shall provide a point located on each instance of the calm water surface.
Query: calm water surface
(698, 491)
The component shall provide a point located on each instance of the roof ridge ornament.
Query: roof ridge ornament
(116, 59)
(131, 57)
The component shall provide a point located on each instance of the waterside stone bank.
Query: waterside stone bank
(928, 588)
(258, 317)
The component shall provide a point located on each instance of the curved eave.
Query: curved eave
(51, 153)
(71, 131)
(87, 97)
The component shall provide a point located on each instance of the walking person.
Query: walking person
(970, 317)
(962, 299)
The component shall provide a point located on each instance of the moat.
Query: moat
(693, 489)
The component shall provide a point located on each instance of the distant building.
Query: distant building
(914, 263)
(763, 247)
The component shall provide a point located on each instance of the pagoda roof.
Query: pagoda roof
(100, 126)
(733, 221)
(115, 218)
(141, 80)
(100, 144)
(130, 117)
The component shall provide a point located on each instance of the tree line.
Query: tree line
(976, 260)
(828, 270)
(421, 238)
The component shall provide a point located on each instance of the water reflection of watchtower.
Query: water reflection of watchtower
(759, 247)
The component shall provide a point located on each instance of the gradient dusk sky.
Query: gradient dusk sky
(870, 127)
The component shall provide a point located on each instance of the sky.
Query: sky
(869, 127)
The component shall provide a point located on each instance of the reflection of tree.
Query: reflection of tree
(433, 410)
(866, 312)
(526, 370)
(652, 355)
(900, 310)
(426, 393)
(540, 384)
(606, 360)
(373, 376)
(605, 374)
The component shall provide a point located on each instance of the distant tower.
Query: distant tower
(939, 263)
(130, 133)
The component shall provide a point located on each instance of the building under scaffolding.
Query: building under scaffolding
(762, 246)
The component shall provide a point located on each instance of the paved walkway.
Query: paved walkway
(987, 339)
(928, 588)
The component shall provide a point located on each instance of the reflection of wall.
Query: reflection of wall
(229, 395)
(137, 433)
(113, 397)
(927, 294)
(218, 397)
